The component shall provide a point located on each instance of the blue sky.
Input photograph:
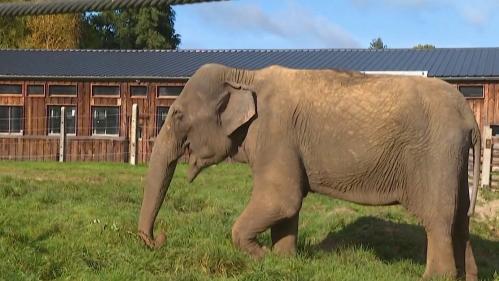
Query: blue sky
(269, 24)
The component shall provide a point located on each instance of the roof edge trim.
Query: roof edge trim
(92, 78)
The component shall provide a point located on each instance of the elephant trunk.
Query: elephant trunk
(165, 153)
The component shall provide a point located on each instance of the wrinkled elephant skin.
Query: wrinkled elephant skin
(369, 139)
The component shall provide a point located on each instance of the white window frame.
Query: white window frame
(472, 85)
(94, 116)
(21, 132)
(168, 86)
(157, 116)
(50, 86)
(117, 86)
(75, 116)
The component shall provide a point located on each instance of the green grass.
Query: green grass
(77, 221)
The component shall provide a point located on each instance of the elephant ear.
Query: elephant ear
(236, 107)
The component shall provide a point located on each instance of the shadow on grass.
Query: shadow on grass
(392, 242)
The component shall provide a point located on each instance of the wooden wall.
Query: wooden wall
(486, 109)
(35, 144)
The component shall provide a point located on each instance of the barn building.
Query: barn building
(98, 87)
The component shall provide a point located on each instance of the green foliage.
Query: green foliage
(77, 221)
(377, 43)
(424, 47)
(12, 31)
(44, 32)
(145, 28)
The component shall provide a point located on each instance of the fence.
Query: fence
(65, 147)
(489, 156)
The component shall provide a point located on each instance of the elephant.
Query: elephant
(369, 139)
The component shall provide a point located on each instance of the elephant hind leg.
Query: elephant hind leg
(438, 213)
(463, 253)
(440, 254)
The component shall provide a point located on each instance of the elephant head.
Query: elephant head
(214, 103)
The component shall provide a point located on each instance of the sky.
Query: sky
(291, 24)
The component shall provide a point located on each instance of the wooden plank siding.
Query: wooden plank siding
(35, 144)
(486, 109)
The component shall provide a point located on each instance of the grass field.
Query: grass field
(77, 221)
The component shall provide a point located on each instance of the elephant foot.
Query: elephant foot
(258, 253)
(471, 277)
(255, 251)
(152, 243)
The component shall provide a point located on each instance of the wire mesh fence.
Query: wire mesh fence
(104, 141)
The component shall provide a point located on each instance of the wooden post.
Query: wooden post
(62, 140)
(133, 136)
(487, 155)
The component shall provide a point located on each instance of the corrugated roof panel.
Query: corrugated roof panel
(467, 62)
(495, 63)
(477, 67)
(455, 64)
(489, 63)
(439, 62)
(354, 60)
(388, 60)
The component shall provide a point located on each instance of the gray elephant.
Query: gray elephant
(373, 140)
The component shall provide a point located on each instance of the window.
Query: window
(161, 114)
(106, 120)
(471, 91)
(169, 91)
(36, 90)
(11, 119)
(63, 90)
(105, 90)
(11, 89)
(138, 91)
(54, 119)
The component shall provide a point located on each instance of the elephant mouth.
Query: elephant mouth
(197, 164)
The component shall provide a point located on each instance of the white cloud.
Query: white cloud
(475, 16)
(292, 23)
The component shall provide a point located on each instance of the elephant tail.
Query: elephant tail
(476, 143)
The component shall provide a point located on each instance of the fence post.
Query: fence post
(62, 140)
(487, 155)
(133, 136)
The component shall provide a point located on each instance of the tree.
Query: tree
(41, 32)
(377, 43)
(12, 31)
(424, 47)
(52, 32)
(144, 28)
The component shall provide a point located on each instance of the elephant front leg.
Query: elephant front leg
(257, 218)
(275, 203)
(284, 236)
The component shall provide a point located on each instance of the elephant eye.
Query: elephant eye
(177, 114)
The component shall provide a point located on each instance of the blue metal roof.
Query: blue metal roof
(158, 64)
